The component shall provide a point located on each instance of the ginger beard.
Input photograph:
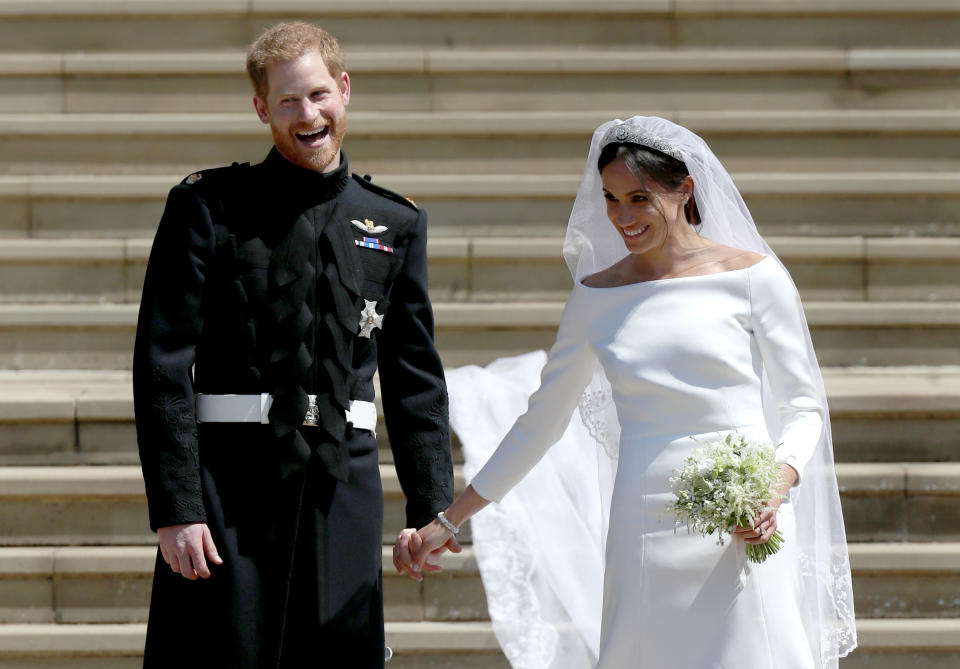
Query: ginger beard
(306, 110)
(312, 147)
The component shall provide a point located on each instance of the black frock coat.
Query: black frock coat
(257, 283)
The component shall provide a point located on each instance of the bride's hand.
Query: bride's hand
(416, 552)
(765, 524)
(435, 539)
(763, 527)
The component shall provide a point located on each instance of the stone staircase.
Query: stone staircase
(839, 120)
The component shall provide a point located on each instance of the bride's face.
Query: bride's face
(642, 211)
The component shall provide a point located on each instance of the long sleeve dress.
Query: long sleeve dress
(684, 357)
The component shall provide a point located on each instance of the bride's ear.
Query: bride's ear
(689, 201)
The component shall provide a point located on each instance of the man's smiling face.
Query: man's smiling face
(306, 110)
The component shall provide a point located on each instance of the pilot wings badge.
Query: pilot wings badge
(368, 226)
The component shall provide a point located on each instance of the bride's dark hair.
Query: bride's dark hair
(645, 163)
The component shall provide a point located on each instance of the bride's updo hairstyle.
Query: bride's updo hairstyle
(647, 163)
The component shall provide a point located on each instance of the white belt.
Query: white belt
(256, 409)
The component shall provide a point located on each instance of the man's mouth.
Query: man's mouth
(313, 138)
(634, 231)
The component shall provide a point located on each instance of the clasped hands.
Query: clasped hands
(417, 551)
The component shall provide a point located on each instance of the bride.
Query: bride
(682, 326)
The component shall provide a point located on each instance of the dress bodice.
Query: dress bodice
(684, 356)
(680, 347)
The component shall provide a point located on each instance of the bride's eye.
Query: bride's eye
(609, 197)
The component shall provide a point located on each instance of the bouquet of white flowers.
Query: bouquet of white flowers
(725, 484)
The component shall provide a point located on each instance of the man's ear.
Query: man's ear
(262, 112)
(344, 84)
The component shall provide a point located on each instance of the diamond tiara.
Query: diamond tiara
(624, 133)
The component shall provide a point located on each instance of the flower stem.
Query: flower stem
(758, 553)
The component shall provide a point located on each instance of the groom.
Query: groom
(272, 293)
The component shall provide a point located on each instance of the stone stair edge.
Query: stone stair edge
(499, 186)
(93, 396)
(531, 247)
(411, 60)
(67, 561)
(677, 8)
(875, 635)
(540, 314)
(126, 481)
(483, 123)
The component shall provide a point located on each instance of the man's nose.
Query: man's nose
(307, 110)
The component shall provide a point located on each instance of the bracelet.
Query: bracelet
(447, 524)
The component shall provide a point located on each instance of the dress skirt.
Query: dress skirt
(673, 599)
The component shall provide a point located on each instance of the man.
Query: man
(272, 292)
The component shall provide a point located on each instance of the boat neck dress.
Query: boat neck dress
(685, 357)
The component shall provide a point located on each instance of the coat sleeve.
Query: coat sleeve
(569, 368)
(413, 388)
(779, 326)
(168, 330)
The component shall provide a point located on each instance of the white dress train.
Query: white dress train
(683, 357)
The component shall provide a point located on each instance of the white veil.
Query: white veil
(592, 244)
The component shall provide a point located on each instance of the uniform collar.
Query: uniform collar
(321, 186)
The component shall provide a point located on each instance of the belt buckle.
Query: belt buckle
(312, 417)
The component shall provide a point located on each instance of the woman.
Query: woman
(682, 326)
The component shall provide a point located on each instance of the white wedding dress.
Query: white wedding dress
(683, 357)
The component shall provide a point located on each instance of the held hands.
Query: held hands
(417, 551)
(765, 524)
(185, 548)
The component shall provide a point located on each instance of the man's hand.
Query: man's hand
(185, 548)
(410, 544)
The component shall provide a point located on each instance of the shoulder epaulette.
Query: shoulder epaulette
(214, 175)
(366, 182)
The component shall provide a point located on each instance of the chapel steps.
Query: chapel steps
(49, 506)
(844, 333)
(510, 142)
(837, 119)
(786, 203)
(502, 269)
(145, 25)
(111, 585)
(491, 77)
(76, 417)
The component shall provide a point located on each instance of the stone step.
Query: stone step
(105, 505)
(491, 269)
(424, 645)
(143, 25)
(514, 142)
(884, 644)
(784, 203)
(88, 336)
(100, 584)
(112, 584)
(80, 417)
(495, 78)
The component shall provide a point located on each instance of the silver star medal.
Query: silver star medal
(369, 319)
(368, 226)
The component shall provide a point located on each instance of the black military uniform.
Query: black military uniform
(258, 282)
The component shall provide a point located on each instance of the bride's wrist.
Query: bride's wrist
(448, 524)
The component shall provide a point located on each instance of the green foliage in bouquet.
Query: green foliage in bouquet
(725, 484)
